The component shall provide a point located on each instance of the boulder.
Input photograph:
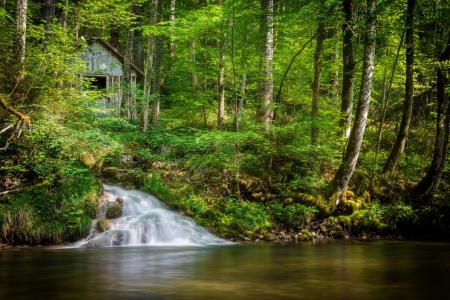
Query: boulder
(103, 225)
(114, 211)
(111, 238)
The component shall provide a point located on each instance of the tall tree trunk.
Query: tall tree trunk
(221, 84)
(266, 83)
(343, 175)
(114, 35)
(315, 86)
(430, 183)
(194, 80)
(49, 13)
(403, 132)
(172, 22)
(138, 46)
(126, 105)
(63, 18)
(348, 69)
(386, 93)
(159, 48)
(20, 36)
(148, 72)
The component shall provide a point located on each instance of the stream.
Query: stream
(163, 255)
(336, 269)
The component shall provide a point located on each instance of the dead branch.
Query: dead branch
(22, 122)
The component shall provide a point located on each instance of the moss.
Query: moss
(306, 235)
(103, 225)
(113, 212)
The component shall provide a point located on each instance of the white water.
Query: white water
(146, 221)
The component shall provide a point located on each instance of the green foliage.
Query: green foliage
(252, 216)
(296, 215)
(384, 217)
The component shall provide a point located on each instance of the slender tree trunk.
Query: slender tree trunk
(221, 85)
(348, 69)
(49, 13)
(315, 86)
(63, 18)
(148, 72)
(172, 21)
(266, 83)
(194, 80)
(386, 93)
(138, 45)
(240, 108)
(114, 35)
(343, 175)
(126, 105)
(159, 48)
(20, 36)
(430, 183)
(403, 132)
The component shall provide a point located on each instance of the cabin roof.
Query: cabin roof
(115, 51)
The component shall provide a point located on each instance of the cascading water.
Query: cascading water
(144, 221)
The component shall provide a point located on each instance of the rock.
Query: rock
(119, 200)
(126, 161)
(270, 237)
(306, 235)
(103, 225)
(111, 238)
(113, 172)
(114, 212)
(337, 234)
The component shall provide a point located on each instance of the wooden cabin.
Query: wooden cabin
(104, 65)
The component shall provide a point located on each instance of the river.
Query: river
(335, 269)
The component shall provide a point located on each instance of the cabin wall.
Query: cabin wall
(101, 61)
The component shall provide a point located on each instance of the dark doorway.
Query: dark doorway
(97, 82)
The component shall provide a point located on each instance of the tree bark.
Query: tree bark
(403, 132)
(126, 105)
(348, 69)
(429, 184)
(172, 21)
(159, 49)
(386, 93)
(315, 86)
(344, 173)
(20, 36)
(266, 83)
(148, 72)
(221, 84)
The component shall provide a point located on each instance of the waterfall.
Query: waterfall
(144, 221)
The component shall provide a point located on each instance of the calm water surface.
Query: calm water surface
(323, 270)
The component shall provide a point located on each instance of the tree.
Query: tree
(344, 173)
(266, 66)
(429, 184)
(221, 78)
(348, 68)
(20, 36)
(315, 86)
(403, 132)
(159, 49)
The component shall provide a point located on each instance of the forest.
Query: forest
(268, 119)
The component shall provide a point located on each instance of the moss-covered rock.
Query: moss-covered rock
(306, 235)
(114, 212)
(103, 225)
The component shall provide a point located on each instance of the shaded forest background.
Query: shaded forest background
(256, 118)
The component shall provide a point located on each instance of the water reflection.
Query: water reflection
(325, 270)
